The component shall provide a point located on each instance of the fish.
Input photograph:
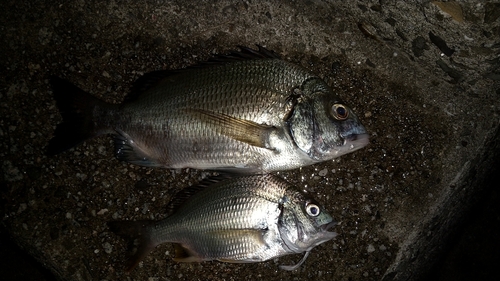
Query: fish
(248, 111)
(236, 219)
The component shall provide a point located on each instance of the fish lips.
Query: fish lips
(351, 143)
(324, 235)
(356, 141)
(327, 226)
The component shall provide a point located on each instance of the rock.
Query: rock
(451, 8)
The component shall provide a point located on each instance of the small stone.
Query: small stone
(11, 173)
(370, 248)
(418, 46)
(107, 247)
(102, 211)
(22, 207)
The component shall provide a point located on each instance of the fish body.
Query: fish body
(248, 111)
(242, 220)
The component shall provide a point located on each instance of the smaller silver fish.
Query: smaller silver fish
(239, 220)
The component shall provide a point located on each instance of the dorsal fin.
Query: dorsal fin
(148, 81)
(183, 195)
(245, 53)
(151, 79)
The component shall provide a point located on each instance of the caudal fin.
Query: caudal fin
(139, 239)
(77, 109)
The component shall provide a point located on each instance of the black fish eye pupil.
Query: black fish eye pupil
(341, 111)
(312, 210)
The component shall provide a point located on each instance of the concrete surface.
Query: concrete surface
(423, 77)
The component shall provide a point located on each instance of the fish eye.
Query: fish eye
(339, 111)
(312, 210)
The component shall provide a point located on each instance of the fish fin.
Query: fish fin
(253, 239)
(76, 107)
(183, 195)
(147, 81)
(218, 240)
(249, 237)
(130, 151)
(239, 129)
(293, 267)
(245, 53)
(151, 79)
(183, 254)
(237, 261)
(138, 237)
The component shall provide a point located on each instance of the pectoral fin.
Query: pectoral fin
(239, 237)
(248, 240)
(239, 129)
(221, 244)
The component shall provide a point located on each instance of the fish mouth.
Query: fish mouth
(327, 226)
(356, 141)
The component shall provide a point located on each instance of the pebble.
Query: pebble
(370, 248)
(102, 211)
(107, 247)
(22, 207)
(115, 216)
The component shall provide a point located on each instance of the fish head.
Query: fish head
(304, 223)
(323, 126)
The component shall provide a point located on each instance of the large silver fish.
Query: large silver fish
(248, 111)
(242, 220)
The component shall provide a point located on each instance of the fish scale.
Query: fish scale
(241, 219)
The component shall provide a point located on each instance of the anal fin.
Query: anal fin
(138, 237)
(182, 254)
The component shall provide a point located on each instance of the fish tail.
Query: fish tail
(139, 238)
(77, 108)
